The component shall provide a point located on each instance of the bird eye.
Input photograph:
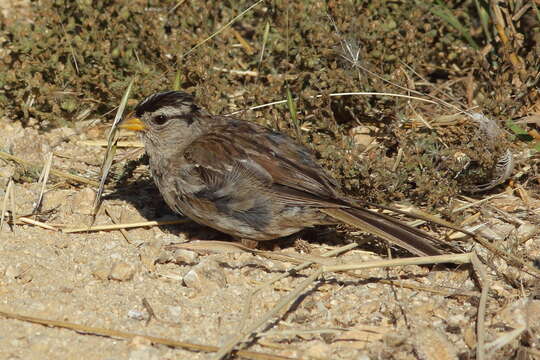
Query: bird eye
(160, 119)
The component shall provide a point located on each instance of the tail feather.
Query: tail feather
(414, 240)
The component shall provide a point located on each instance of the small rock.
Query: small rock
(12, 272)
(182, 256)
(149, 262)
(521, 313)
(29, 145)
(59, 135)
(319, 351)
(55, 199)
(362, 135)
(83, 201)
(497, 232)
(19, 273)
(175, 312)
(122, 271)
(469, 336)
(526, 231)
(394, 340)
(5, 173)
(101, 271)
(432, 344)
(135, 314)
(206, 276)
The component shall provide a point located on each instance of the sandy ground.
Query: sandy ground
(102, 279)
(198, 289)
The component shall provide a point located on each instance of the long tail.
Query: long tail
(414, 240)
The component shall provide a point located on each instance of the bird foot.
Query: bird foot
(252, 244)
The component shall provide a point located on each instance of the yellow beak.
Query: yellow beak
(133, 123)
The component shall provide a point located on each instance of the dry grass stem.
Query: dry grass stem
(111, 147)
(501, 27)
(284, 302)
(243, 42)
(237, 72)
(122, 230)
(83, 329)
(400, 284)
(65, 175)
(36, 223)
(508, 257)
(420, 260)
(43, 178)
(481, 318)
(505, 340)
(473, 202)
(125, 226)
(296, 332)
(303, 265)
(358, 93)
(264, 41)
(7, 195)
(119, 144)
(221, 29)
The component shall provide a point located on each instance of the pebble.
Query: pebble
(521, 313)
(101, 271)
(206, 276)
(497, 232)
(182, 256)
(30, 145)
(5, 173)
(135, 314)
(432, 344)
(83, 201)
(319, 351)
(122, 271)
(362, 135)
(526, 231)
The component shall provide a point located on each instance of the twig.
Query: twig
(37, 223)
(122, 230)
(151, 313)
(265, 39)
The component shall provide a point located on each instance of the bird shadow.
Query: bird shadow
(144, 196)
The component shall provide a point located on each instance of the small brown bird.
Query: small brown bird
(246, 180)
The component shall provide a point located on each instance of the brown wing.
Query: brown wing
(274, 159)
(246, 169)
